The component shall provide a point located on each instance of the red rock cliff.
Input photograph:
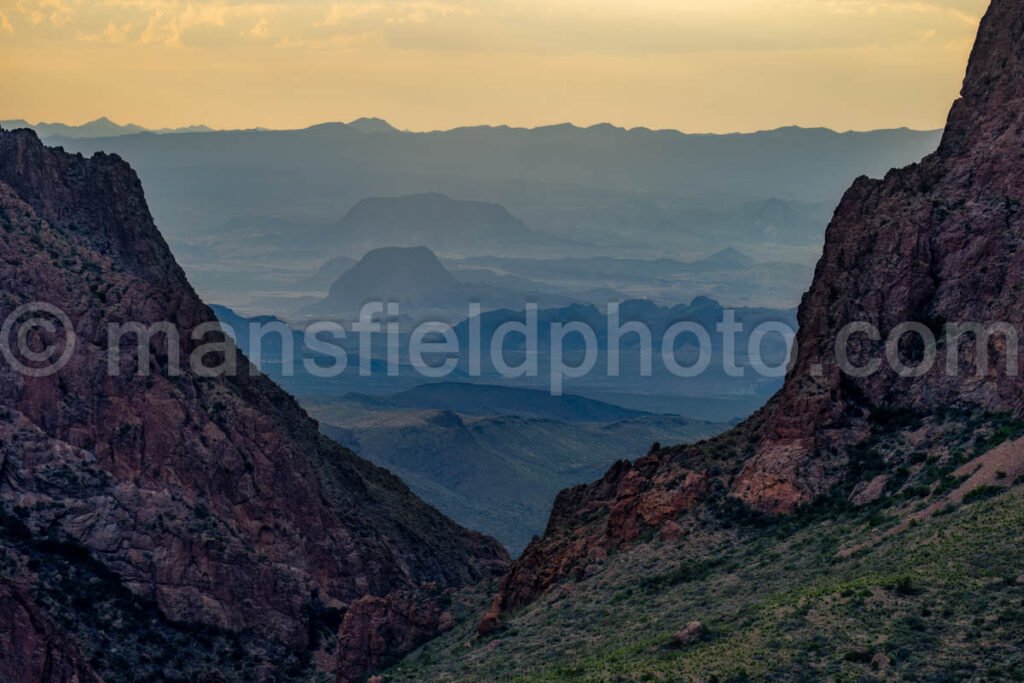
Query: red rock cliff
(934, 243)
(940, 241)
(214, 498)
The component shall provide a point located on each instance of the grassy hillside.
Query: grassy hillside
(925, 584)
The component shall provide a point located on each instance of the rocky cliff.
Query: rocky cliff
(32, 648)
(934, 243)
(208, 508)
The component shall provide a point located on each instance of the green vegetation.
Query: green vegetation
(982, 493)
(929, 604)
(840, 593)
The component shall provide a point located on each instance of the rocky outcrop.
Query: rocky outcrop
(689, 634)
(934, 243)
(588, 522)
(213, 496)
(32, 649)
(376, 628)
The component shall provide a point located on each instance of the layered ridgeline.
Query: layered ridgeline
(600, 183)
(856, 528)
(181, 527)
(494, 458)
(442, 223)
(100, 128)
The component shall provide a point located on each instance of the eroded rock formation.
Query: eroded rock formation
(216, 498)
(934, 243)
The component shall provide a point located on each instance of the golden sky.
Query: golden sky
(693, 65)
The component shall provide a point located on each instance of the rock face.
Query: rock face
(587, 522)
(213, 497)
(689, 634)
(934, 243)
(32, 648)
(376, 628)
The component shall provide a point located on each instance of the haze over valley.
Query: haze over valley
(288, 228)
(252, 213)
(450, 393)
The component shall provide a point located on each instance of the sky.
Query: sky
(692, 65)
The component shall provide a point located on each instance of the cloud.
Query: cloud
(166, 25)
(260, 30)
(112, 34)
(395, 11)
(876, 7)
(645, 27)
(57, 12)
(339, 14)
(170, 21)
(526, 27)
(711, 65)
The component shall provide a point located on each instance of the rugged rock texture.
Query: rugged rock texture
(214, 497)
(32, 648)
(376, 628)
(933, 243)
(588, 522)
(689, 634)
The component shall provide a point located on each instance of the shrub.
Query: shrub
(982, 493)
(904, 585)
(891, 419)
(858, 656)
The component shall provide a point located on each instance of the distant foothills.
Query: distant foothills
(104, 127)
(100, 128)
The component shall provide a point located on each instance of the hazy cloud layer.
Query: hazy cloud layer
(541, 26)
(462, 43)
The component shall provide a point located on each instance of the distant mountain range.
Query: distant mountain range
(704, 311)
(603, 268)
(638, 191)
(713, 396)
(728, 275)
(415, 276)
(286, 200)
(436, 221)
(104, 127)
(100, 128)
